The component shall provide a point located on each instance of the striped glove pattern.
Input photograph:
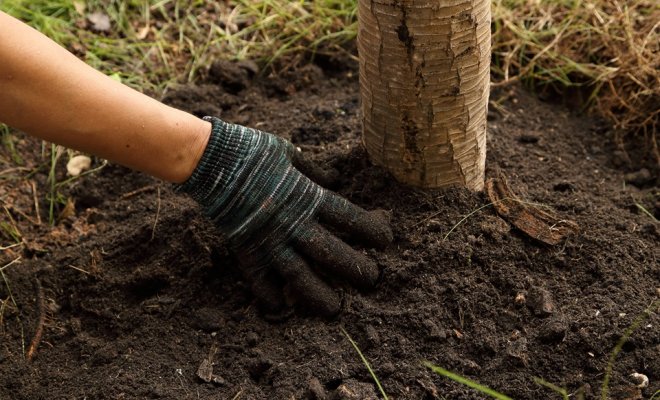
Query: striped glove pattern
(275, 218)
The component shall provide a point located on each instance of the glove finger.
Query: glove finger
(315, 294)
(369, 227)
(337, 258)
(324, 177)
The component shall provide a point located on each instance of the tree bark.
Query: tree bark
(424, 82)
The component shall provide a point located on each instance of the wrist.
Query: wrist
(199, 132)
(218, 161)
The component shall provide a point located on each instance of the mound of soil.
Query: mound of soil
(142, 299)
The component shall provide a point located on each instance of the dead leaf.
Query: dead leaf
(100, 22)
(68, 211)
(538, 224)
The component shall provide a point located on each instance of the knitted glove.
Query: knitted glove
(271, 215)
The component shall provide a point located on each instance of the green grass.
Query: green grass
(467, 382)
(8, 143)
(8, 229)
(154, 44)
(149, 46)
(366, 364)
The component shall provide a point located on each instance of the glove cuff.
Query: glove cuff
(228, 145)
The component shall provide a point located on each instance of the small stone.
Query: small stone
(520, 298)
(218, 380)
(541, 302)
(641, 380)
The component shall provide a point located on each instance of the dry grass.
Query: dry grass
(609, 47)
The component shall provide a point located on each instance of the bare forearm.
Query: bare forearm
(49, 93)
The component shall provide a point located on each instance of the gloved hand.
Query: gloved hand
(271, 215)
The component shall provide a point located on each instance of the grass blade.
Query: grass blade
(366, 363)
(467, 382)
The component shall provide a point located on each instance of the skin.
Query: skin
(47, 92)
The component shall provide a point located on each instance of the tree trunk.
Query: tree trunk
(424, 81)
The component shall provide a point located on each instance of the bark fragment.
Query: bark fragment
(538, 224)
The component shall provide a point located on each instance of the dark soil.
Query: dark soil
(140, 291)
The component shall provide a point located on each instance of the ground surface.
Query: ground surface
(139, 290)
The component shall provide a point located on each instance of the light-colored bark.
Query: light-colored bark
(424, 81)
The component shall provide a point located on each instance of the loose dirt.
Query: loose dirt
(143, 301)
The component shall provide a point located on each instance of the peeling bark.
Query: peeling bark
(424, 80)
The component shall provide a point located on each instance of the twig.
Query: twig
(24, 215)
(138, 191)
(78, 269)
(36, 202)
(15, 169)
(40, 322)
(153, 229)
(2, 314)
(17, 259)
(11, 246)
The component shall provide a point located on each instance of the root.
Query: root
(36, 339)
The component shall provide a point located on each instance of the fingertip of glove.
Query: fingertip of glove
(380, 228)
(325, 302)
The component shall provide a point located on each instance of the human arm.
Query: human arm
(49, 93)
